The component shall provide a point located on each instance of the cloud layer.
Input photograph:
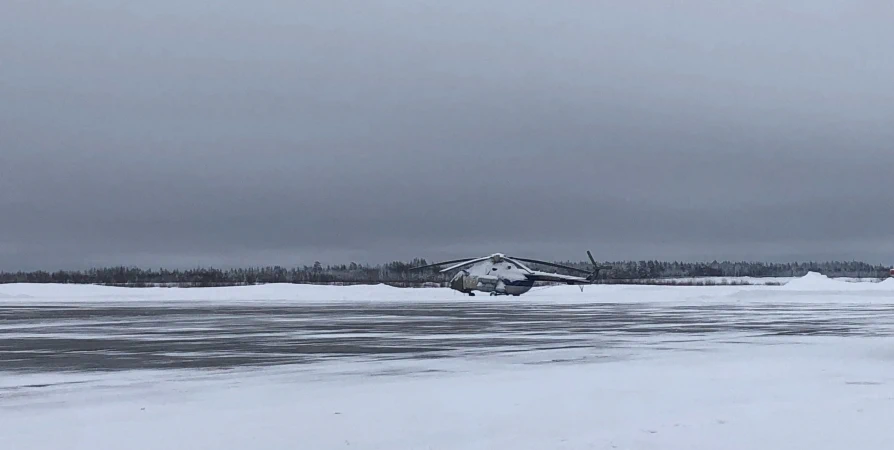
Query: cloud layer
(176, 133)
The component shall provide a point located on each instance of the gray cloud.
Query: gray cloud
(166, 133)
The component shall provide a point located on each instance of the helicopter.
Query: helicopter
(498, 274)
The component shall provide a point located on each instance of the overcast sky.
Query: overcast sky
(184, 133)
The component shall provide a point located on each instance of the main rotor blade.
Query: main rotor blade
(472, 261)
(453, 261)
(545, 263)
(520, 265)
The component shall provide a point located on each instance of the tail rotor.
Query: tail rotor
(596, 268)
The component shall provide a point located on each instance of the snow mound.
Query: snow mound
(814, 282)
(818, 282)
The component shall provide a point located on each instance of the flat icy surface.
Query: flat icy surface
(807, 365)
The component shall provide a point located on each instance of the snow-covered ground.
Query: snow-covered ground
(291, 293)
(806, 365)
(821, 394)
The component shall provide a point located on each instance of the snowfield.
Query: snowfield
(805, 365)
(267, 293)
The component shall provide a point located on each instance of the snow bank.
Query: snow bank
(266, 292)
(297, 293)
(818, 282)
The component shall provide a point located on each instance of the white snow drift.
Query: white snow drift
(61, 293)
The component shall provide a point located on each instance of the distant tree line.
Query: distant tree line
(397, 273)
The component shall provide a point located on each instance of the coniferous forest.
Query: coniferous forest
(397, 273)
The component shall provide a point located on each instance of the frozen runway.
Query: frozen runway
(807, 365)
(111, 338)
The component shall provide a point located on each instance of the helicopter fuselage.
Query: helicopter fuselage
(496, 278)
(499, 274)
